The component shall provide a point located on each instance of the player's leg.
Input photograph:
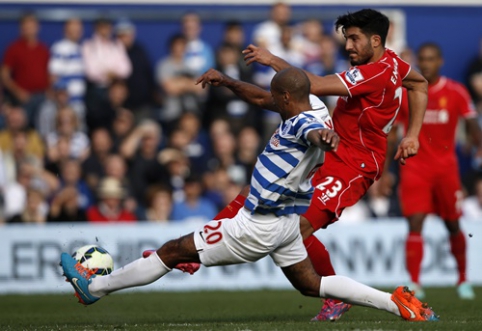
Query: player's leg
(416, 197)
(448, 203)
(458, 248)
(401, 303)
(414, 252)
(89, 288)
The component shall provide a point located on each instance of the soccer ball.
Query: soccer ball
(95, 258)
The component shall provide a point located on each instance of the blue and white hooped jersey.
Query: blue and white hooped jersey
(281, 180)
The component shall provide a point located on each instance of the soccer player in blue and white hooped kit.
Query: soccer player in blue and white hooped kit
(269, 222)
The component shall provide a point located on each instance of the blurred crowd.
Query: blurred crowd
(91, 130)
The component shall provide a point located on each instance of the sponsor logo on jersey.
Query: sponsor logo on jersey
(436, 116)
(354, 76)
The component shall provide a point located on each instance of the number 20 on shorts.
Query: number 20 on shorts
(213, 235)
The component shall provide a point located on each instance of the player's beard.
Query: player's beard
(364, 56)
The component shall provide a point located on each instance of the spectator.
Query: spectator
(224, 148)
(105, 61)
(198, 147)
(223, 103)
(67, 129)
(35, 208)
(16, 121)
(115, 167)
(71, 176)
(472, 205)
(307, 41)
(109, 207)
(59, 99)
(178, 168)
(117, 94)
(234, 35)
(93, 166)
(216, 183)
(194, 206)
(159, 204)
(177, 81)
(140, 149)
(122, 126)
(199, 56)
(65, 207)
(140, 83)
(66, 66)
(268, 33)
(474, 80)
(15, 192)
(248, 150)
(19, 154)
(24, 69)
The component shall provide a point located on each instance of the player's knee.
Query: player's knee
(453, 227)
(416, 222)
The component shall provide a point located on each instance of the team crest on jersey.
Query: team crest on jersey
(354, 76)
(275, 138)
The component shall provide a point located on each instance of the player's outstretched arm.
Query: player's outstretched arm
(327, 85)
(325, 139)
(248, 92)
(417, 88)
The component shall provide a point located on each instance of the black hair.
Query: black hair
(370, 22)
(433, 46)
(175, 38)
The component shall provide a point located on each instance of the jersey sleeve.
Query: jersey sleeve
(307, 122)
(364, 79)
(403, 67)
(466, 106)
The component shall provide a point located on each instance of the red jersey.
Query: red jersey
(363, 119)
(28, 65)
(447, 101)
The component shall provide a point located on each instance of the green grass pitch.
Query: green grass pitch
(251, 310)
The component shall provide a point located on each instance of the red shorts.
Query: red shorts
(337, 186)
(424, 192)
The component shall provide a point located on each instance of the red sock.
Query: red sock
(414, 255)
(458, 249)
(232, 209)
(319, 256)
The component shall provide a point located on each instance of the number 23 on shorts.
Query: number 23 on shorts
(212, 233)
(329, 188)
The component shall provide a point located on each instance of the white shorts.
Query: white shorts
(248, 238)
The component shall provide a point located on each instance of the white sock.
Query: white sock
(350, 291)
(137, 273)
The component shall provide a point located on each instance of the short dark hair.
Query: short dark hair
(175, 38)
(370, 22)
(433, 46)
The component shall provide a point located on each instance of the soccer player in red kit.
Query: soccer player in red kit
(430, 183)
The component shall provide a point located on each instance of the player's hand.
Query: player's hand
(408, 147)
(212, 77)
(326, 139)
(257, 54)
